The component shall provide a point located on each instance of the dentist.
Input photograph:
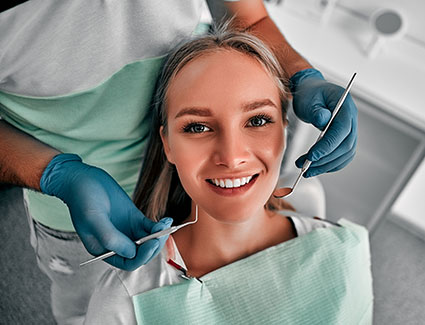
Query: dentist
(76, 81)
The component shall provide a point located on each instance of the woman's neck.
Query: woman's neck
(210, 244)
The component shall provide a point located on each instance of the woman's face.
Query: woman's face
(225, 134)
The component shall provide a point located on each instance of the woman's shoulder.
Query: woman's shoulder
(304, 225)
(111, 302)
(154, 274)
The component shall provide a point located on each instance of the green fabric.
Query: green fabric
(323, 277)
(201, 29)
(107, 126)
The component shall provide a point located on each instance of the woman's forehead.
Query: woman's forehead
(221, 57)
(221, 76)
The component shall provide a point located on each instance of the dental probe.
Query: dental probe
(158, 234)
(286, 191)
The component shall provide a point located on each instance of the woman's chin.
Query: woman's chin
(232, 217)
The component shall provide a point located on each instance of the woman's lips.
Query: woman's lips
(234, 190)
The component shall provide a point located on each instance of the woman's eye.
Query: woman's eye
(257, 121)
(195, 128)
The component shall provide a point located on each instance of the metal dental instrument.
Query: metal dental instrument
(286, 191)
(145, 239)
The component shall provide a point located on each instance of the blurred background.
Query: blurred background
(382, 189)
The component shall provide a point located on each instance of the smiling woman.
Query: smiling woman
(214, 155)
(225, 137)
(195, 88)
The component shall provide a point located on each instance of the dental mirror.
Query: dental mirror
(286, 191)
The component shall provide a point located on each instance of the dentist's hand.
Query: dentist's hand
(102, 213)
(314, 100)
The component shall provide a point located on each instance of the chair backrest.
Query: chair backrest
(308, 199)
(309, 196)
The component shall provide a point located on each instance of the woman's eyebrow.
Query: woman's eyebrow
(204, 111)
(257, 104)
(199, 111)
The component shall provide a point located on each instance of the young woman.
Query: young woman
(216, 149)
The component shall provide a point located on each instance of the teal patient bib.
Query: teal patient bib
(322, 277)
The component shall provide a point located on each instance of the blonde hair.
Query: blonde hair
(159, 192)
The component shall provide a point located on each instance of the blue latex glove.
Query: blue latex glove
(102, 213)
(314, 99)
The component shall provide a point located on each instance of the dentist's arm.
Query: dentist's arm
(313, 97)
(103, 215)
(23, 158)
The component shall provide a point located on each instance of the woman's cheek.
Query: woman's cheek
(272, 145)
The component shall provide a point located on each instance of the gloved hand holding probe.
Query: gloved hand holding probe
(102, 213)
(313, 100)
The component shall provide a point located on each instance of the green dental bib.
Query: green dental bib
(323, 277)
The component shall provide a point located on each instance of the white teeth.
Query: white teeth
(229, 183)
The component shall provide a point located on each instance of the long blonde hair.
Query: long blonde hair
(159, 192)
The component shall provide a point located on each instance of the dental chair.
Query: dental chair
(308, 197)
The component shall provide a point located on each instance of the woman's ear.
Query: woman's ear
(165, 145)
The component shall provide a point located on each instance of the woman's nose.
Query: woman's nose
(232, 150)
